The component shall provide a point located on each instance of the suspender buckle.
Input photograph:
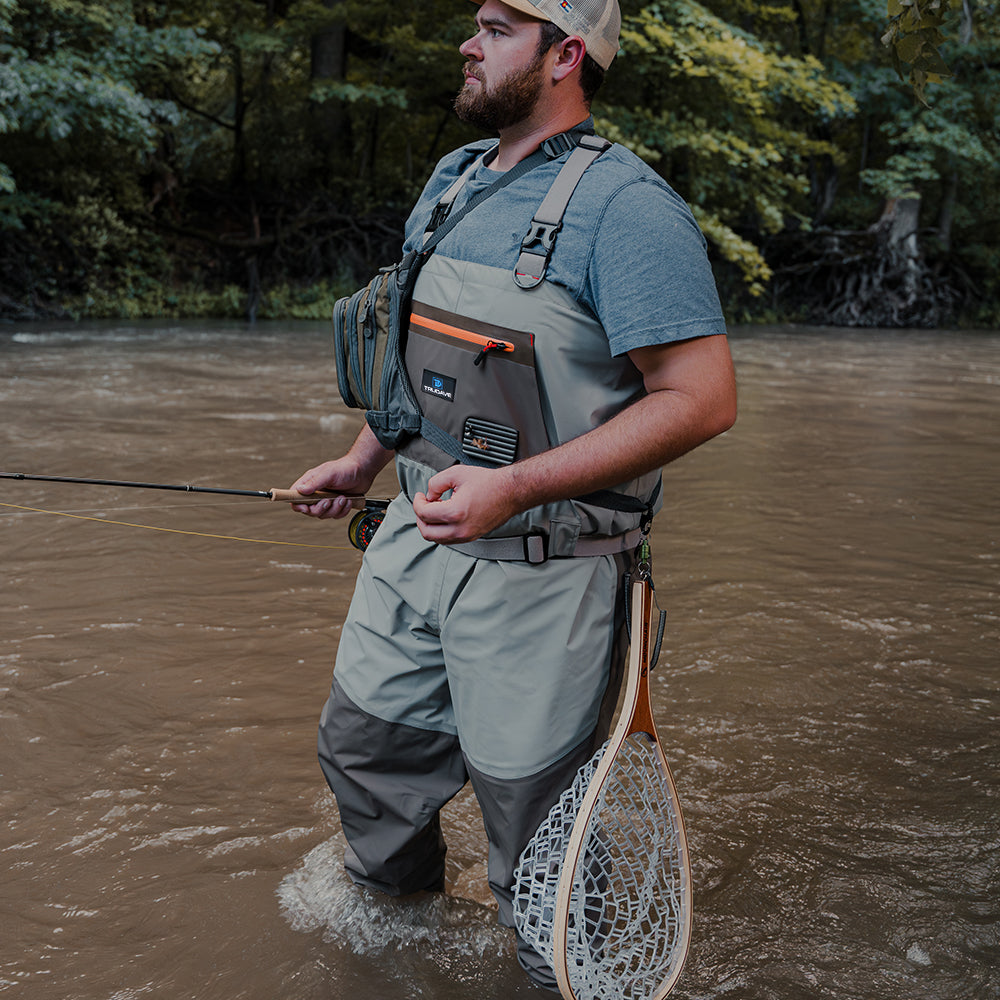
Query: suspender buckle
(541, 234)
(440, 213)
(536, 250)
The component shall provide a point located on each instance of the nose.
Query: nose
(471, 48)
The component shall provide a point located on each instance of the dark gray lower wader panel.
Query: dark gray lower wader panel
(390, 781)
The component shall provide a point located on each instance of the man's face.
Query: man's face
(504, 76)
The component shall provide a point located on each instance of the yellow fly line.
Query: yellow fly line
(175, 531)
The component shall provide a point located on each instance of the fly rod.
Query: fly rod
(289, 496)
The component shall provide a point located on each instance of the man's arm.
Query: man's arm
(691, 398)
(352, 475)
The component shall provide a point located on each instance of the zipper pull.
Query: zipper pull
(490, 345)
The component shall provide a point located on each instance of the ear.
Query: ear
(569, 55)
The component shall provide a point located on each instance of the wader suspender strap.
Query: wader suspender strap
(551, 148)
(438, 228)
(538, 244)
(443, 207)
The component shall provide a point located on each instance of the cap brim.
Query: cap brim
(523, 6)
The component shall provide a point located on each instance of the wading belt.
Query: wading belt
(534, 548)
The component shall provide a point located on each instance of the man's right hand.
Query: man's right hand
(351, 475)
(339, 476)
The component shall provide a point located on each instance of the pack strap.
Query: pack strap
(443, 207)
(540, 241)
(442, 221)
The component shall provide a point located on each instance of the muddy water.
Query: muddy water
(827, 693)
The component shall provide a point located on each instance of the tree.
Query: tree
(726, 115)
(80, 127)
(163, 157)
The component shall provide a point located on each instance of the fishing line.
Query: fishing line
(175, 531)
(361, 529)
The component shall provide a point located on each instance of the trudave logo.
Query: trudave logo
(442, 386)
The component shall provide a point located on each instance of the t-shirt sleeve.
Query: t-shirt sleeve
(649, 278)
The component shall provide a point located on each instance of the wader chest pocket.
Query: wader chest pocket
(493, 406)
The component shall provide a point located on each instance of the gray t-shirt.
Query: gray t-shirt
(629, 250)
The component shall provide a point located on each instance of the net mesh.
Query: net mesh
(627, 920)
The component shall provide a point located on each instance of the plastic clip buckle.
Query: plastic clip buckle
(541, 234)
(440, 213)
(556, 145)
(536, 251)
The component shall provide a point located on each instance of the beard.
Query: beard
(507, 103)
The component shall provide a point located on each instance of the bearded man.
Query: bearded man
(485, 639)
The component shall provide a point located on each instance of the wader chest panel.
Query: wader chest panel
(558, 382)
(477, 381)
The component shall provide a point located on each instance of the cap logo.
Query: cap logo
(566, 5)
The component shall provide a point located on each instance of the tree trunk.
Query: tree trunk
(899, 223)
(331, 122)
(947, 214)
(239, 162)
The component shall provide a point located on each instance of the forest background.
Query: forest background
(257, 158)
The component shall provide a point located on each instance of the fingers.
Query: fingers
(330, 507)
(311, 481)
(437, 519)
(329, 476)
(430, 509)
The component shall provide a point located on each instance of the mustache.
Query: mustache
(473, 70)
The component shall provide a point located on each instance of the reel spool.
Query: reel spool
(365, 523)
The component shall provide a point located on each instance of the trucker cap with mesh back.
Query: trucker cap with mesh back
(597, 22)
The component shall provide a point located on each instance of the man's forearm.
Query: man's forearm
(652, 432)
(368, 453)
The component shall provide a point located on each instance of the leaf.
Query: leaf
(910, 48)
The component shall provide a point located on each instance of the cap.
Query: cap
(597, 22)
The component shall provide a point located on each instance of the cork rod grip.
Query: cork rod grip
(293, 496)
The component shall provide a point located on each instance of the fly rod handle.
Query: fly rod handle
(293, 496)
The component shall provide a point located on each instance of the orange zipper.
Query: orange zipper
(484, 343)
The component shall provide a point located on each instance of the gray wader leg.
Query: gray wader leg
(451, 667)
(390, 781)
(512, 812)
(514, 809)
(394, 840)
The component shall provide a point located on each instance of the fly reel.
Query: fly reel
(365, 523)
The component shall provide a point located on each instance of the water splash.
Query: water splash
(320, 895)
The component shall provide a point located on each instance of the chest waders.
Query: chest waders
(494, 367)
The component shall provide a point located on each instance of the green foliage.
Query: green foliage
(736, 136)
(929, 145)
(259, 155)
(137, 296)
(914, 36)
(75, 68)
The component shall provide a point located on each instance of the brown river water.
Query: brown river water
(827, 693)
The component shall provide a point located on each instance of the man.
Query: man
(485, 638)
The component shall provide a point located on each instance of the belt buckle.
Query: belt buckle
(536, 548)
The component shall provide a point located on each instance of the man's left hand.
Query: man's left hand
(478, 500)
